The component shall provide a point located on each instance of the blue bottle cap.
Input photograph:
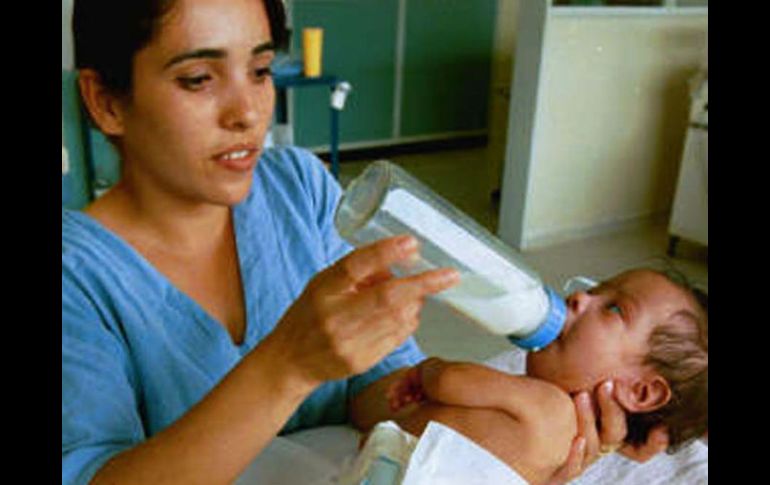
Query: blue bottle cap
(549, 329)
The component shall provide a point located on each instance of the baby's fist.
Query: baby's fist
(406, 390)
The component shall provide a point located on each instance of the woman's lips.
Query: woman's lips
(238, 158)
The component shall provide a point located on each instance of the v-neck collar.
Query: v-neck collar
(180, 300)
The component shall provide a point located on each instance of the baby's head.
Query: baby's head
(649, 334)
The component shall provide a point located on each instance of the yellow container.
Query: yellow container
(312, 48)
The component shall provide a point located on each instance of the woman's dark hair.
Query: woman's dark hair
(679, 353)
(108, 33)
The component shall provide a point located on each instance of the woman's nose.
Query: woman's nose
(241, 109)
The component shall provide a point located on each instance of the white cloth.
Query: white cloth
(441, 456)
(445, 457)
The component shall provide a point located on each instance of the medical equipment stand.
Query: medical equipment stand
(284, 82)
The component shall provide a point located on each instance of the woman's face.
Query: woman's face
(201, 102)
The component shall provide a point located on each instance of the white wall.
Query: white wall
(66, 35)
(610, 124)
(500, 90)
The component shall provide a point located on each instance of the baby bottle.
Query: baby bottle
(496, 290)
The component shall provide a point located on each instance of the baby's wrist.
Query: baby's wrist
(429, 372)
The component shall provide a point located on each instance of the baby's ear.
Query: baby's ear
(643, 393)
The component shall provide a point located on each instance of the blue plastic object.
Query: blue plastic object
(285, 67)
(549, 330)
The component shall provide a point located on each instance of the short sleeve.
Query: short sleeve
(99, 407)
(325, 193)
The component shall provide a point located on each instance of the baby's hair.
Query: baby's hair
(679, 353)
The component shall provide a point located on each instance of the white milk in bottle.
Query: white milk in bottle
(496, 290)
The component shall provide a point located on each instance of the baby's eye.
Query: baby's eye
(615, 308)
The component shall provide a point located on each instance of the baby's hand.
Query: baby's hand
(406, 390)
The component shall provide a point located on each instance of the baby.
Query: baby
(642, 330)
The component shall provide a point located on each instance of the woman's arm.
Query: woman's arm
(217, 438)
(338, 327)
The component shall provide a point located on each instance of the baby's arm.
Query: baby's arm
(477, 386)
(527, 423)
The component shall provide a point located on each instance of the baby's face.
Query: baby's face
(607, 329)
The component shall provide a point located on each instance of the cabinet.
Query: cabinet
(689, 214)
(420, 69)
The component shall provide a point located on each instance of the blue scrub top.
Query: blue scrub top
(137, 353)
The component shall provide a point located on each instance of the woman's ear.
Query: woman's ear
(103, 106)
(643, 394)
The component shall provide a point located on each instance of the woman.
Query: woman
(208, 304)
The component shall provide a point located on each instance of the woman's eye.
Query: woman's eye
(263, 73)
(615, 309)
(193, 82)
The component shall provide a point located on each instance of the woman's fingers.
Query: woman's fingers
(354, 313)
(363, 327)
(397, 298)
(366, 263)
(613, 428)
(586, 419)
(573, 467)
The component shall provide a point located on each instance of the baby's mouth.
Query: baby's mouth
(567, 327)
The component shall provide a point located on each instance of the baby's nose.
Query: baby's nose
(577, 301)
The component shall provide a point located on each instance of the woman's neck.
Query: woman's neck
(159, 220)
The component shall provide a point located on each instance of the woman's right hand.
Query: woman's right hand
(353, 314)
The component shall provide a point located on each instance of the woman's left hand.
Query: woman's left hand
(595, 438)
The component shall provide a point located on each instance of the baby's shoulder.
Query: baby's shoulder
(548, 424)
(549, 409)
(548, 397)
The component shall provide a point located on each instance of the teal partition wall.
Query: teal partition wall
(94, 164)
(420, 69)
(75, 184)
(359, 47)
(447, 66)
(105, 162)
